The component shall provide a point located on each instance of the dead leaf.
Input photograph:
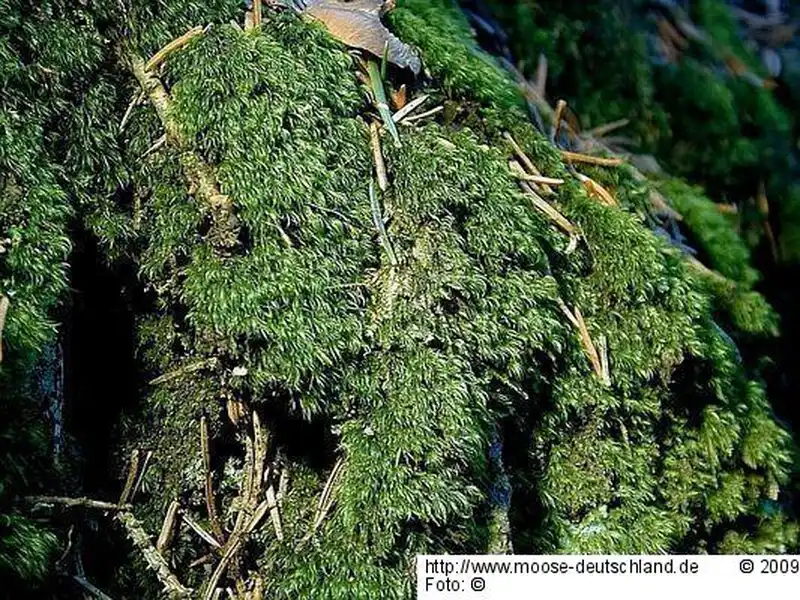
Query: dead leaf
(357, 24)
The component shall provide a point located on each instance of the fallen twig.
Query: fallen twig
(590, 160)
(174, 45)
(596, 190)
(75, 502)
(548, 210)
(256, 13)
(142, 473)
(157, 145)
(152, 557)
(607, 128)
(4, 304)
(194, 526)
(429, 113)
(133, 470)
(576, 318)
(408, 108)
(526, 161)
(560, 106)
(377, 155)
(213, 518)
(91, 589)
(540, 79)
(168, 527)
(137, 99)
(326, 498)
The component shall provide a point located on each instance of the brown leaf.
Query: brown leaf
(357, 23)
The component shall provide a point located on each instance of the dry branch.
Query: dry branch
(530, 168)
(74, 502)
(174, 45)
(216, 527)
(152, 557)
(133, 469)
(4, 303)
(408, 108)
(168, 527)
(590, 160)
(548, 210)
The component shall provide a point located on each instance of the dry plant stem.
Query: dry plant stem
(591, 160)
(91, 589)
(207, 363)
(591, 350)
(4, 304)
(168, 527)
(200, 175)
(409, 108)
(157, 145)
(326, 498)
(607, 128)
(213, 518)
(137, 99)
(75, 502)
(194, 526)
(541, 180)
(597, 191)
(419, 117)
(142, 473)
(526, 161)
(548, 210)
(133, 470)
(377, 156)
(256, 13)
(152, 557)
(174, 45)
(541, 76)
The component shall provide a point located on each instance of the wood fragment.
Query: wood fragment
(74, 502)
(560, 106)
(213, 518)
(548, 210)
(526, 161)
(152, 557)
(207, 363)
(590, 160)
(4, 304)
(410, 107)
(425, 115)
(377, 156)
(133, 470)
(607, 128)
(174, 45)
(541, 76)
(204, 535)
(274, 512)
(157, 145)
(137, 99)
(168, 527)
(589, 347)
(596, 190)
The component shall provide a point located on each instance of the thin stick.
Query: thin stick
(408, 108)
(202, 560)
(377, 156)
(152, 557)
(274, 512)
(590, 160)
(419, 117)
(325, 499)
(588, 345)
(157, 145)
(607, 128)
(597, 191)
(168, 527)
(137, 99)
(548, 210)
(531, 168)
(4, 304)
(541, 76)
(142, 473)
(213, 518)
(561, 105)
(256, 13)
(194, 526)
(133, 470)
(207, 363)
(75, 502)
(174, 45)
(539, 179)
(91, 589)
